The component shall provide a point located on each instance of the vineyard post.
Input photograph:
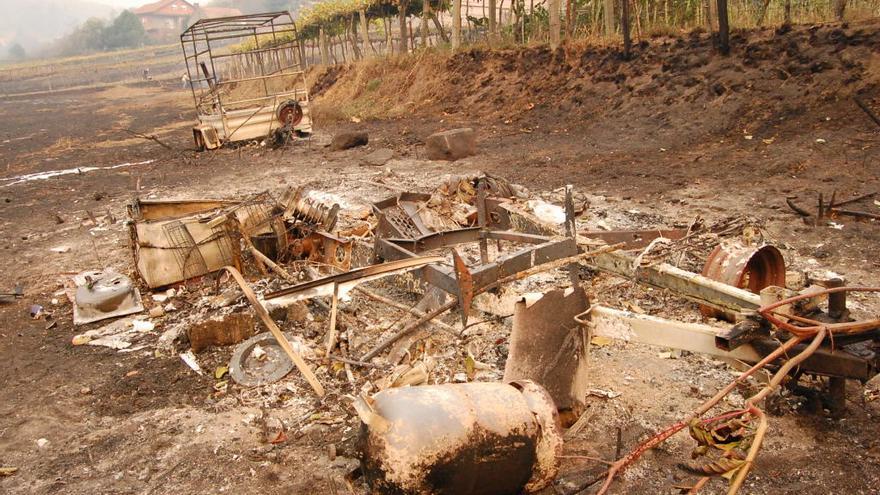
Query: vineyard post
(553, 5)
(401, 19)
(839, 9)
(608, 15)
(493, 24)
(322, 39)
(423, 25)
(624, 28)
(456, 24)
(723, 28)
(365, 31)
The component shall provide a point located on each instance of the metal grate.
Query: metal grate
(187, 253)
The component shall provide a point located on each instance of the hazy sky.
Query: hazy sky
(123, 3)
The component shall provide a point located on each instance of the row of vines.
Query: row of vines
(337, 31)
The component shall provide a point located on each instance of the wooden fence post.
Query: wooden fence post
(493, 23)
(608, 16)
(711, 16)
(365, 31)
(322, 39)
(553, 5)
(723, 28)
(401, 18)
(456, 24)
(839, 9)
(624, 28)
(423, 26)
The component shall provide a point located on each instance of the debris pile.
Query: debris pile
(456, 326)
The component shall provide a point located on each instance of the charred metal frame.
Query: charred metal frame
(276, 43)
(401, 235)
(400, 238)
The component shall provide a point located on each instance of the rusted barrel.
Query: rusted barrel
(746, 267)
(468, 438)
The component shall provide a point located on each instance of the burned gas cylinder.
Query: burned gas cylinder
(462, 439)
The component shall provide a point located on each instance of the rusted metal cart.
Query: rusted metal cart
(246, 74)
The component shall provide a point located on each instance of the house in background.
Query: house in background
(164, 20)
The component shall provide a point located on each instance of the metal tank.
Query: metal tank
(462, 439)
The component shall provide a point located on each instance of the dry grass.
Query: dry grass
(380, 88)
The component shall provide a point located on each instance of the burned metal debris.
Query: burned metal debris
(487, 438)
(252, 91)
(104, 294)
(177, 240)
(443, 421)
(259, 360)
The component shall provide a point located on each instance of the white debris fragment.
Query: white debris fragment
(547, 212)
(605, 394)
(143, 326)
(60, 249)
(190, 359)
(42, 443)
(258, 353)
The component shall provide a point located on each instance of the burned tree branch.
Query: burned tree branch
(870, 113)
(151, 137)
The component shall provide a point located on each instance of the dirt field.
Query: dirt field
(675, 134)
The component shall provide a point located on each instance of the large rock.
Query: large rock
(451, 145)
(346, 140)
(378, 157)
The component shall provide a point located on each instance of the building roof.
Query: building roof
(173, 8)
(218, 12)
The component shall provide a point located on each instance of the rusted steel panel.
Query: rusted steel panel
(549, 347)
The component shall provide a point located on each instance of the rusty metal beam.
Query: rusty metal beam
(634, 239)
(686, 284)
(695, 337)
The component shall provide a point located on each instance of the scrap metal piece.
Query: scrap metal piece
(309, 210)
(745, 331)
(325, 249)
(272, 365)
(279, 336)
(347, 281)
(634, 239)
(465, 286)
(172, 241)
(548, 347)
(746, 267)
(700, 338)
(399, 216)
(470, 438)
(104, 294)
(16, 293)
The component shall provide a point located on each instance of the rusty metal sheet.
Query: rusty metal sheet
(465, 286)
(549, 347)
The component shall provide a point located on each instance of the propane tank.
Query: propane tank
(468, 438)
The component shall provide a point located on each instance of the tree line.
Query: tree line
(125, 31)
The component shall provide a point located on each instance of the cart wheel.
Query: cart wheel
(290, 113)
